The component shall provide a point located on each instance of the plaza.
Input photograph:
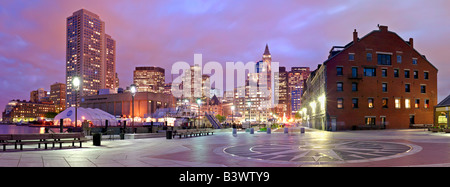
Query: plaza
(366, 148)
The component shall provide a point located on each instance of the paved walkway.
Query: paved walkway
(412, 147)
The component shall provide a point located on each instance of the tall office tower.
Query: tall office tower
(89, 52)
(149, 79)
(110, 58)
(296, 79)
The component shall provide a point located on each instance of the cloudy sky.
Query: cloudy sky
(160, 33)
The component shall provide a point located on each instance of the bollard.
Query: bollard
(286, 130)
(269, 131)
(302, 130)
(252, 131)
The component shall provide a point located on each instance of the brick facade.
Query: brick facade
(372, 71)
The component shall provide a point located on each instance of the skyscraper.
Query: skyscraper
(149, 79)
(90, 55)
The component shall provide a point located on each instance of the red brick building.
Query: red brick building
(377, 81)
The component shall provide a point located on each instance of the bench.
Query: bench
(24, 139)
(190, 132)
(207, 131)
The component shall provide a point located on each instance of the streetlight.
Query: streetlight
(133, 93)
(76, 83)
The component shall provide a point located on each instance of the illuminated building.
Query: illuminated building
(90, 55)
(120, 104)
(296, 79)
(25, 111)
(149, 79)
(38, 95)
(58, 96)
(374, 82)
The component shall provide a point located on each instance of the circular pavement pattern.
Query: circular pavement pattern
(322, 151)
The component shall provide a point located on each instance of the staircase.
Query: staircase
(214, 122)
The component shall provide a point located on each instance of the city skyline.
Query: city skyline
(162, 33)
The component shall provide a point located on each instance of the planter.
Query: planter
(447, 130)
(434, 130)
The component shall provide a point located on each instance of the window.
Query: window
(384, 72)
(339, 71)
(369, 57)
(351, 56)
(423, 89)
(354, 86)
(355, 103)
(370, 120)
(425, 75)
(399, 58)
(397, 103)
(406, 73)
(416, 74)
(384, 87)
(407, 88)
(396, 74)
(384, 103)
(384, 59)
(417, 103)
(340, 87)
(407, 103)
(354, 72)
(340, 103)
(414, 61)
(370, 102)
(369, 72)
(427, 103)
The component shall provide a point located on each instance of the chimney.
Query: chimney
(355, 36)
(411, 42)
(383, 28)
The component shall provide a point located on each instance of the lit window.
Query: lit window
(385, 103)
(407, 103)
(370, 102)
(340, 103)
(427, 103)
(417, 103)
(397, 103)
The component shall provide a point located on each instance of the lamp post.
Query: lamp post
(133, 93)
(76, 84)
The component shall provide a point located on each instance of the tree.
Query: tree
(221, 118)
(50, 114)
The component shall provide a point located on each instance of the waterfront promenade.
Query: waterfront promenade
(410, 147)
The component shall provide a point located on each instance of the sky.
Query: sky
(160, 33)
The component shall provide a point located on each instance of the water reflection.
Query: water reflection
(13, 129)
